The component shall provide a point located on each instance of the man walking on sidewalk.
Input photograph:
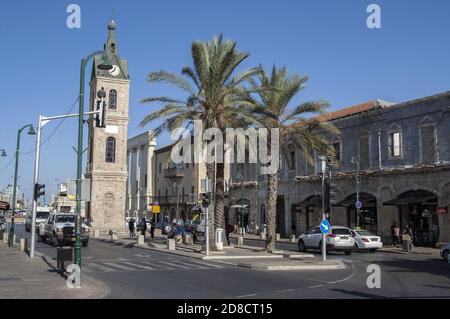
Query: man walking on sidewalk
(143, 226)
(131, 228)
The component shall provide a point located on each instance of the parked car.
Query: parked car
(339, 238)
(59, 229)
(41, 215)
(365, 240)
(445, 251)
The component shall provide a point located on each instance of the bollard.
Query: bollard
(277, 236)
(96, 233)
(262, 236)
(141, 240)
(240, 241)
(170, 244)
(187, 239)
(113, 235)
(292, 239)
(218, 242)
(5, 237)
(23, 244)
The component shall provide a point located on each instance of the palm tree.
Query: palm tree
(275, 93)
(215, 95)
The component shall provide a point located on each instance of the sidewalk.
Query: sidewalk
(25, 278)
(240, 256)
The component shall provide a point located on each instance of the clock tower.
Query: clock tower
(107, 147)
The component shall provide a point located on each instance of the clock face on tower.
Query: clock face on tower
(115, 70)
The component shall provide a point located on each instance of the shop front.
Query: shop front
(366, 216)
(308, 212)
(417, 209)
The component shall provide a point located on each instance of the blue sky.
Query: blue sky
(327, 40)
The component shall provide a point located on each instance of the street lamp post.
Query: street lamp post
(16, 168)
(239, 176)
(356, 163)
(177, 187)
(104, 65)
(324, 237)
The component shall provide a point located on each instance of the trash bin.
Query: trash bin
(63, 254)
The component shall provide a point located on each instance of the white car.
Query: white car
(365, 240)
(41, 216)
(445, 252)
(339, 238)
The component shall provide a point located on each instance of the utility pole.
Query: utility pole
(16, 168)
(356, 163)
(324, 237)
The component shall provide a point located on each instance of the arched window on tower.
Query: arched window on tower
(110, 154)
(112, 105)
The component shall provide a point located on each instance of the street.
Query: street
(133, 272)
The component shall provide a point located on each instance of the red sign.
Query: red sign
(441, 210)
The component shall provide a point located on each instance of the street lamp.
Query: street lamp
(356, 163)
(239, 176)
(16, 168)
(105, 64)
(177, 188)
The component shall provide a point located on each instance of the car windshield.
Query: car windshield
(42, 214)
(65, 219)
(341, 231)
(365, 233)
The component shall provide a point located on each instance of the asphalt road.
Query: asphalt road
(139, 273)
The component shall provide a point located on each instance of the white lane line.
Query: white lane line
(175, 264)
(244, 296)
(139, 265)
(118, 266)
(285, 290)
(97, 267)
(316, 286)
(205, 264)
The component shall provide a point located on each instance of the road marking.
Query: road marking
(316, 286)
(97, 267)
(139, 265)
(285, 290)
(118, 266)
(244, 296)
(207, 264)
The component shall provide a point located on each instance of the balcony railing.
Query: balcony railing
(174, 172)
(172, 199)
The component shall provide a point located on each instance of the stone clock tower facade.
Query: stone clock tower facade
(107, 147)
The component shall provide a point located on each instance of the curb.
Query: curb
(241, 257)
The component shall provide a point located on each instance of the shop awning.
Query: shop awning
(366, 203)
(315, 201)
(429, 200)
(239, 206)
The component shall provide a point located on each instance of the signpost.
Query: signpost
(325, 227)
(358, 204)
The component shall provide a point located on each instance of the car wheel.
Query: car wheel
(372, 250)
(301, 246)
(446, 256)
(348, 252)
(85, 243)
(53, 240)
(43, 239)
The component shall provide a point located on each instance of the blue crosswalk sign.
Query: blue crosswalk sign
(325, 226)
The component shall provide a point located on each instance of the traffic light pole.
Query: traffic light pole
(42, 121)
(324, 237)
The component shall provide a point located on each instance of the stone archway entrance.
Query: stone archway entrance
(417, 209)
(366, 217)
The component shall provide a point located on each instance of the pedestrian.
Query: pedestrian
(131, 228)
(395, 232)
(229, 229)
(143, 226)
(152, 229)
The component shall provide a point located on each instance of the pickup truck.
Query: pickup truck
(42, 214)
(59, 229)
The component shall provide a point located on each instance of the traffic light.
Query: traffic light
(206, 201)
(330, 195)
(100, 116)
(39, 190)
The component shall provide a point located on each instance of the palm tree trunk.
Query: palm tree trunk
(272, 192)
(210, 173)
(219, 193)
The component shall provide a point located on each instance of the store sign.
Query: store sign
(441, 210)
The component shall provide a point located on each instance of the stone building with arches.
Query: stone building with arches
(403, 152)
